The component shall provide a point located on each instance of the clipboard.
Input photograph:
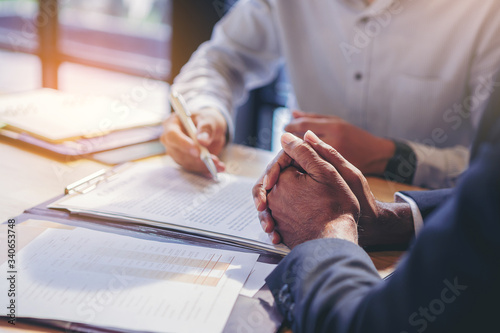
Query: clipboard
(90, 182)
(160, 194)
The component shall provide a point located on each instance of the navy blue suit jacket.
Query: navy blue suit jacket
(447, 282)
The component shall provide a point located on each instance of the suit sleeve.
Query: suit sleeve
(448, 281)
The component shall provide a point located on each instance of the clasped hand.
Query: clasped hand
(310, 191)
(303, 195)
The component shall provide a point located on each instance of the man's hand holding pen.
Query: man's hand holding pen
(186, 146)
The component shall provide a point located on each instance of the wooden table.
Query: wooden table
(28, 178)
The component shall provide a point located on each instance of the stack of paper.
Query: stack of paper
(164, 195)
(119, 282)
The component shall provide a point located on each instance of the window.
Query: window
(112, 47)
(18, 31)
(130, 36)
(126, 36)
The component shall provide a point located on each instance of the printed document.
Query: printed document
(120, 282)
(165, 195)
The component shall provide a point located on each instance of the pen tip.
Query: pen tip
(207, 159)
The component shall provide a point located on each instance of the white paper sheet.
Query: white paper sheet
(167, 194)
(257, 278)
(109, 280)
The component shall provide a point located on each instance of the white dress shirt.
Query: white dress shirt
(414, 70)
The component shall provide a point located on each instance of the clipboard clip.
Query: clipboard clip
(91, 181)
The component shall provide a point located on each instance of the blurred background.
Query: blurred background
(127, 49)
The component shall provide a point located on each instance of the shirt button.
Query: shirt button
(358, 76)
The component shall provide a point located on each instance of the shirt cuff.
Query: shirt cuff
(418, 221)
(438, 167)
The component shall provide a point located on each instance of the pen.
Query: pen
(184, 115)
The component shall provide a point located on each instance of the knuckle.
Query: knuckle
(357, 174)
(330, 150)
(257, 190)
(266, 216)
(270, 167)
(303, 151)
(351, 179)
(272, 200)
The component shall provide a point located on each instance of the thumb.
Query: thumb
(308, 159)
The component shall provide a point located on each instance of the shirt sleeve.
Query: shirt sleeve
(243, 53)
(438, 167)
